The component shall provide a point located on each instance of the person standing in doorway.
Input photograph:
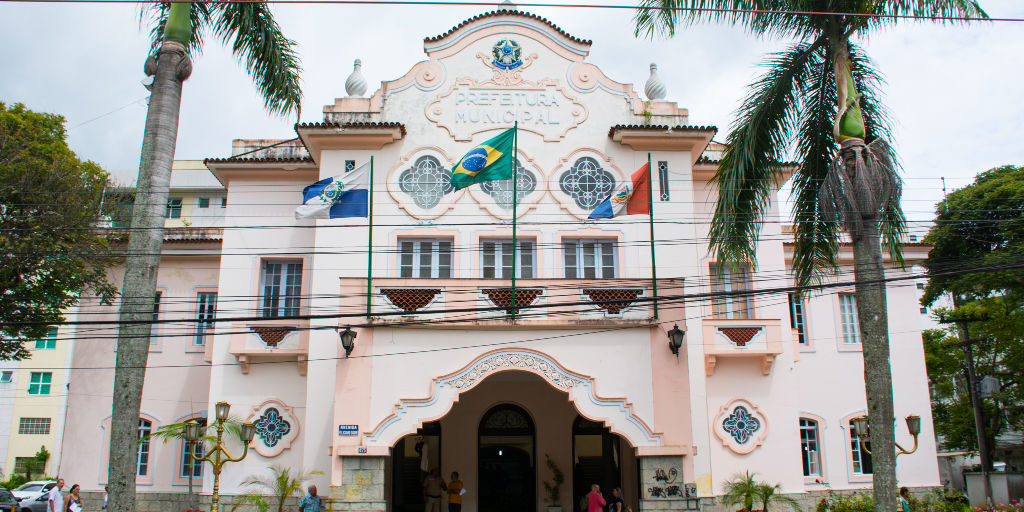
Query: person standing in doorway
(310, 502)
(616, 504)
(595, 502)
(455, 492)
(55, 500)
(433, 486)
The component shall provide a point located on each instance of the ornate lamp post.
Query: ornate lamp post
(913, 425)
(218, 455)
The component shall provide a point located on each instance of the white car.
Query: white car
(34, 489)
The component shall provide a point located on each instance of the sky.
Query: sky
(954, 90)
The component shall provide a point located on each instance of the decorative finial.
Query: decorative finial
(355, 86)
(655, 89)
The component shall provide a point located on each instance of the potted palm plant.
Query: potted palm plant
(553, 487)
(741, 489)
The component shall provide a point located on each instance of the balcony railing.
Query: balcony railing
(741, 338)
(555, 302)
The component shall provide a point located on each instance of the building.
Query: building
(448, 370)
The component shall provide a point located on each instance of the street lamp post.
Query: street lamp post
(218, 455)
(913, 425)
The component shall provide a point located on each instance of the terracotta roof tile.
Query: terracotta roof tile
(357, 125)
(503, 12)
(660, 127)
(232, 160)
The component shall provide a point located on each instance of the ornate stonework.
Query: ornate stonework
(740, 426)
(277, 427)
(511, 361)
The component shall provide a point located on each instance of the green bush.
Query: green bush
(14, 481)
(848, 503)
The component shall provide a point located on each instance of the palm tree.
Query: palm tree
(818, 101)
(176, 432)
(279, 486)
(741, 489)
(769, 493)
(270, 59)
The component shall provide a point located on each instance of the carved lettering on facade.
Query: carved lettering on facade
(471, 107)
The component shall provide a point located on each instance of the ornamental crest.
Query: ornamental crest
(276, 427)
(740, 426)
(507, 54)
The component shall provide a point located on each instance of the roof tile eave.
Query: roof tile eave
(502, 12)
(661, 127)
(232, 160)
(355, 124)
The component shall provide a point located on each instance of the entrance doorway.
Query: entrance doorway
(597, 457)
(506, 460)
(411, 459)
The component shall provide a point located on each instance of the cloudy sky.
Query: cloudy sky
(954, 89)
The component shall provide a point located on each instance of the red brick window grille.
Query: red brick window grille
(410, 299)
(740, 336)
(272, 336)
(502, 297)
(613, 300)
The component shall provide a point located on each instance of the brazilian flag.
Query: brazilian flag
(492, 160)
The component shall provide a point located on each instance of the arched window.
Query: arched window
(858, 455)
(145, 428)
(189, 466)
(810, 447)
(587, 183)
(426, 182)
(506, 460)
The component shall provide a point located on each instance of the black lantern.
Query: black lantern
(675, 339)
(248, 431)
(348, 340)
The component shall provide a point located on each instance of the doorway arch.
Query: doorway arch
(597, 458)
(506, 441)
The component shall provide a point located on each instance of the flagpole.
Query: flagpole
(515, 199)
(650, 210)
(369, 245)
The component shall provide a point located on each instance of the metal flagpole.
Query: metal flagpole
(650, 210)
(369, 245)
(515, 199)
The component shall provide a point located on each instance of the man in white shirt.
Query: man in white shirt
(55, 501)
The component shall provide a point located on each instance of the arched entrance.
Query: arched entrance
(597, 458)
(506, 460)
(412, 458)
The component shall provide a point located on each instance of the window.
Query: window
(809, 447)
(49, 341)
(924, 310)
(350, 165)
(25, 465)
(39, 383)
(587, 183)
(145, 427)
(425, 258)
(190, 466)
(497, 258)
(725, 284)
(204, 202)
(796, 317)
(282, 285)
(426, 182)
(501, 190)
(206, 311)
(223, 202)
(920, 286)
(156, 315)
(589, 259)
(173, 207)
(848, 318)
(33, 425)
(7, 376)
(663, 180)
(861, 458)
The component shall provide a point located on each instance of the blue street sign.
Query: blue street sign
(348, 430)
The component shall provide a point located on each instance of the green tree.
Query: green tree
(49, 203)
(769, 494)
(176, 432)
(270, 58)
(277, 488)
(741, 489)
(819, 101)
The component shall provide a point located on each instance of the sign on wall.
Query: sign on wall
(348, 430)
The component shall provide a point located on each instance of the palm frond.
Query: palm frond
(816, 240)
(158, 13)
(751, 165)
(268, 55)
(761, 17)
(935, 10)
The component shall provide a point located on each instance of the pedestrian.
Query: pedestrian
(433, 486)
(455, 492)
(55, 500)
(904, 500)
(310, 502)
(616, 504)
(106, 494)
(595, 502)
(73, 502)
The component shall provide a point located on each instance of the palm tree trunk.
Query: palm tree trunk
(871, 314)
(172, 66)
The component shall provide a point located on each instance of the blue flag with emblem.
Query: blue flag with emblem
(492, 160)
(336, 197)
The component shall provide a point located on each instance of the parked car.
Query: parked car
(34, 489)
(37, 504)
(7, 501)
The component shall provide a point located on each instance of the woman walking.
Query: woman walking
(73, 501)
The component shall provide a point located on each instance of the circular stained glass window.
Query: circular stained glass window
(426, 182)
(587, 183)
(501, 190)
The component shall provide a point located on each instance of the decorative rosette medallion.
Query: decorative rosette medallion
(276, 427)
(740, 426)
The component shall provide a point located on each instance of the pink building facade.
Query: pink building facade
(441, 374)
